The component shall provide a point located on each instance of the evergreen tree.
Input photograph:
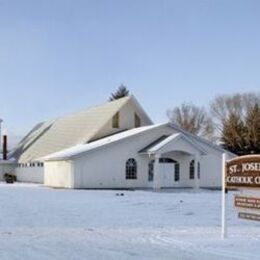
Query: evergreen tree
(252, 122)
(121, 92)
(236, 122)
(233, 134)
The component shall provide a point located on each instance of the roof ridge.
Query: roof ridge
(91, 107)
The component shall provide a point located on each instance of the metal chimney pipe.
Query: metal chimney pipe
(5, 147)
(1, 120)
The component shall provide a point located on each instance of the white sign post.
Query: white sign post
(223, 204)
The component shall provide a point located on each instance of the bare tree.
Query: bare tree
(122, 91)
(191, 118)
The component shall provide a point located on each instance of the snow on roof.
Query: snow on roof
(202, 140)
(152, 144)
(173, 138)
(83, 148)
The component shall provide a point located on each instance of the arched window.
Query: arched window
(192, 170)
(166, 160)
(131, 169)
(150, 170)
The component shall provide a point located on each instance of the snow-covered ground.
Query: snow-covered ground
(42, 223)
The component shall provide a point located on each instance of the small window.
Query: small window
(192, 170)
(198, 170)
(176, 171)
(115, 120)
(131, 169)
(150, 170)
(137, 121)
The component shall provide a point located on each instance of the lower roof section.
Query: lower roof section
(84, 148)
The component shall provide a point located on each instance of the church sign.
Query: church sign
(247, 202)
(249, 216)
(243, 172)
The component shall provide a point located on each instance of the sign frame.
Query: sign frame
(244, 172)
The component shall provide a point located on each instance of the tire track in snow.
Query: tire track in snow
(199, 251)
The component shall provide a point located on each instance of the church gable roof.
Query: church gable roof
(173, 140)
(68, 131)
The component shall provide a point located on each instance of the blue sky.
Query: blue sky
(59, 56)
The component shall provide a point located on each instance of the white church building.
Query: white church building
(116, 145)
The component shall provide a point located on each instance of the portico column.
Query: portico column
(196, 179)
(156, 173)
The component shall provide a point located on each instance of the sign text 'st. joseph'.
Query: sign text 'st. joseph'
(243, 172)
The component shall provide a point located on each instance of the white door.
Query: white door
(167, 175)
